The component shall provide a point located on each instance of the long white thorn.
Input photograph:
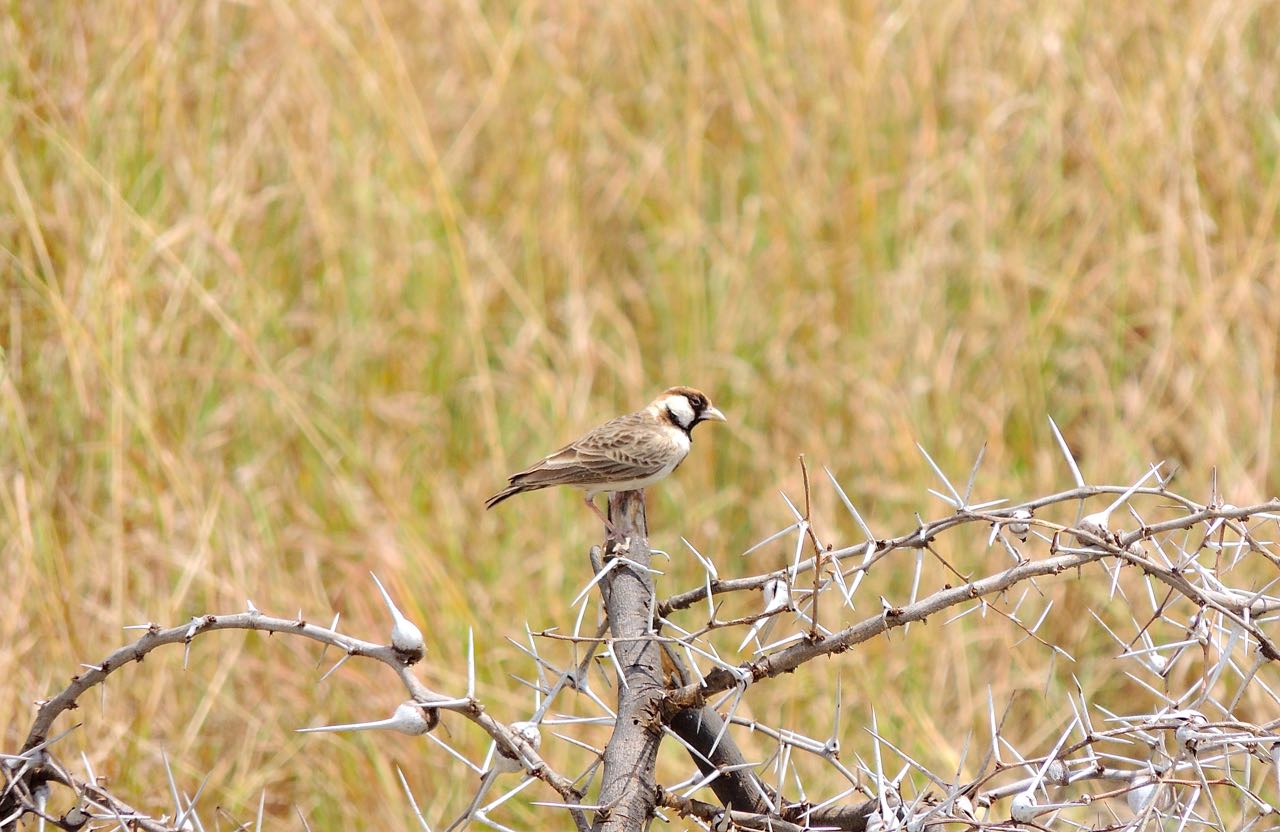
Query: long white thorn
(959, 501)
(417, 813)
(1066, 452)
(405, 635)
(471, 663)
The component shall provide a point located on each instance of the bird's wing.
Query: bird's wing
(628, 447)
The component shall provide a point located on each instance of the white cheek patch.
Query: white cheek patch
(681, 410)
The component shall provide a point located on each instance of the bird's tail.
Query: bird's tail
(509, 491)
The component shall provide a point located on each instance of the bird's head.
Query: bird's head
(686, 407)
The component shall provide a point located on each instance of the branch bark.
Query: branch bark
(627, 791)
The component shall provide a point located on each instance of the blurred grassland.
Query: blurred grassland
(290, 287)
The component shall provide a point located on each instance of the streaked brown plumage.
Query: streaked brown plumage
(628, 453)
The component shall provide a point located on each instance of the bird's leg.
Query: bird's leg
(608, 525)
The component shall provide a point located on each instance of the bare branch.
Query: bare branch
(627, 786)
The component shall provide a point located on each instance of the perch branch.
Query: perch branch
(627, 789)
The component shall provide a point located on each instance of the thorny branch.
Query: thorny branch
(1230, 604)
(873, 551)
(1183, 759)
(35, 765)
(627, 784)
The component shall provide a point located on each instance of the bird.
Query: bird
(628, 453)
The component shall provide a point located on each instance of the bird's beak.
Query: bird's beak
(711, 414)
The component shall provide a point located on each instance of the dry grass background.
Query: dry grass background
(290, 287)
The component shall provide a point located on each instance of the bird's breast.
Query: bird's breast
(679, 442)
